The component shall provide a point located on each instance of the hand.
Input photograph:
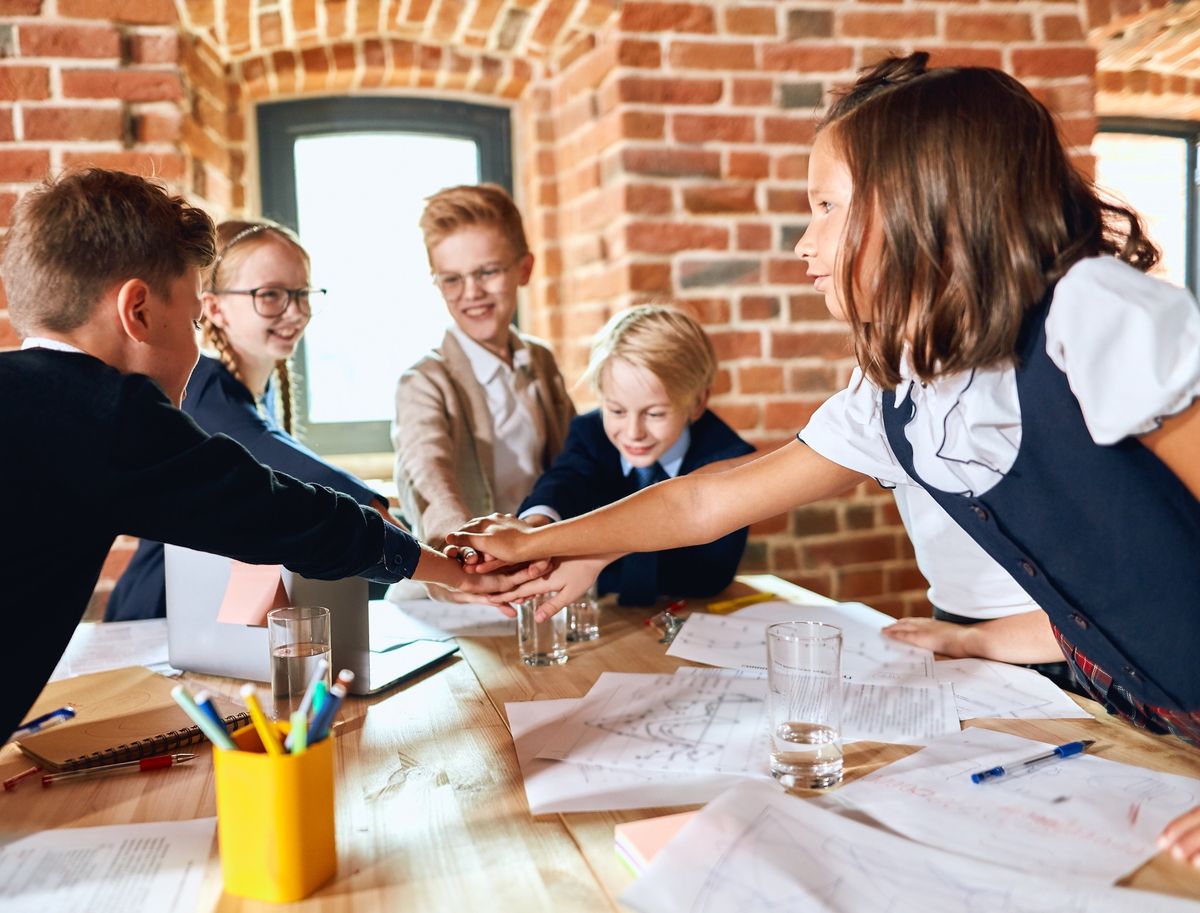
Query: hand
(464, 555)
(1182, 838)
(942, 637)
(497, 536)
(568, 581)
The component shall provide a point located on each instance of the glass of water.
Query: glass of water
(804, 677)
(300, 638)
(583, 617)
(541, 643)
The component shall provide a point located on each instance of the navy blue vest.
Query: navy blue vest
(1106, 539)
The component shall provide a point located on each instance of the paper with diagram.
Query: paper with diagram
(983, 688)
(755, 848)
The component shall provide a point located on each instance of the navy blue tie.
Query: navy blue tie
(639, 571)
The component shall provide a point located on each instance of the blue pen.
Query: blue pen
(204, 702)
(1029, 765)
(324, 718)
(45, 721)
(216, 734)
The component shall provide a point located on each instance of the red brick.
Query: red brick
(1077, 131)
(158, 127)
(719, 273)
(994, 28)
(777, 524)
(807, 307)
(748, 165)
(1053, 62)
(860, 584)
(642, 124)
(709, 311)
(89, 123)
(649, 277)
(792, 271)
(809, 58)
(789, 416)
(851, 550)
(6, 124)
(966, 57)
(639, 54)
(888, 24)
(647, 199)
(791, 167)
(24, 83)
(806, 379)
(711, 55)
(38, 40)
(751, 20)
(753, 92)
(23, 166)
(753, 237)
(1062, 28)
(760, 379)
(127, 85)
(730, 344)
(672, 162)
(641, 89)
(800, 344)
(667, 237)
(20, 7)
(720, 198)
(164, 166)
(701, 128)
(905, 578)
(144, 12)
(666, 17)
(799, 130)
(787, 200)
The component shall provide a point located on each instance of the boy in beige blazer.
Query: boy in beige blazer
(483, 415)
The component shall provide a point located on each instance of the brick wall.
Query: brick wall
(661, 150)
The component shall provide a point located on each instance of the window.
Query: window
(1152, 165)
(351, 175)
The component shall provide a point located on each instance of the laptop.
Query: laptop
(197, 642)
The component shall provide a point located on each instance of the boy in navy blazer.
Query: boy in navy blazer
(652, 368)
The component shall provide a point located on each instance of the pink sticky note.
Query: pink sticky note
(253, 590)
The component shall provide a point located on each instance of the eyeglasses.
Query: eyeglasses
(490, 277)
(271, 301)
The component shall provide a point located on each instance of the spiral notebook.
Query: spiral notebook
(120, 715)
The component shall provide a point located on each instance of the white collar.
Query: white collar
(486, 365)
(672, 459)
(41, 342)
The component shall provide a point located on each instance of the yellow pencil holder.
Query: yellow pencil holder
(275, 818)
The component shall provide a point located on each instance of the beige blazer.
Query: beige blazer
(443, 435)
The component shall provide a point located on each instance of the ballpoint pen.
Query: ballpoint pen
(11, 783)
(45, 721)
(1029, 765)
(267, 733)
(156, 763)
(216, 734)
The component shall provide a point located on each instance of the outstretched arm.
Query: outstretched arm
(688, 510)
(1023, 638)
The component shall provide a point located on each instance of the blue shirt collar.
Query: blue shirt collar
(671, 460)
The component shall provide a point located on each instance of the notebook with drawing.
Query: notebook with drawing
(120, 715)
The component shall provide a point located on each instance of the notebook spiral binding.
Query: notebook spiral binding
(148, 748)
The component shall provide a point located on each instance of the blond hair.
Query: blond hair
(237, 241)
(454, 208)
(664, 340)
(75, 236)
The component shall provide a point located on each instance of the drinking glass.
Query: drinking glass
(300, 638)
(542, 643)
(804, 678)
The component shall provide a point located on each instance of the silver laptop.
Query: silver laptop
(198, 642)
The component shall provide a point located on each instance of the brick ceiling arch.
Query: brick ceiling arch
(238, 30)
(1148, 61)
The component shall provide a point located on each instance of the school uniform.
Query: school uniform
(591, 473)
(93, 453)
(221, 404)
(1040, 463)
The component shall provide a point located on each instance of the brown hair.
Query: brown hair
(664, 340)
(75, 236)
(963, 174)
(237, 240)
(473, 204)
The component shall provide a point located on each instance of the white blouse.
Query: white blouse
(1128, 343)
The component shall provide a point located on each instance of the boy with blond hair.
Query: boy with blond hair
(652, 368)
(102, 275)
(480, 417)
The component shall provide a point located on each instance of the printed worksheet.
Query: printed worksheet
(131, 868)
(1083, 816)
(740, 642)
(99, 646)
(983, 688)
(755, 848)
(457, 619)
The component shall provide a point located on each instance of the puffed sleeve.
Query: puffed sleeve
(1129, 345)
(848, 430)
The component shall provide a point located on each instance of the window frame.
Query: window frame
(281, 123)
(1177, 129)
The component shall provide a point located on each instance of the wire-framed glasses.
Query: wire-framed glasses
(272, 300)
(491, 277)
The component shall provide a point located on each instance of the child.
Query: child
(102, 276)
(481, 417)
(257, 303)
(652, 368)
(1015, 362)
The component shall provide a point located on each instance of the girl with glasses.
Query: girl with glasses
(257, 302)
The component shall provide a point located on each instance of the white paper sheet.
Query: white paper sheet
(1085, 816)
(459, 619)
(131, 868)
(740, 642)
(560, 786)
(757, 849)
(97, 646)
(983, 688)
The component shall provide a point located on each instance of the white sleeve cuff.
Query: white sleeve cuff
(540, 510)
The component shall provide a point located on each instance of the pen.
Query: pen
(45, 721)
(297, 739)
(267, 733)
(156, 763)
(216, 734)
(320, 696)
(204, 702)
(11, 783)
(728, 605)
(310, 695)
(1029, 765)
(324, 718)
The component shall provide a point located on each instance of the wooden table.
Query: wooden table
(431, 812)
